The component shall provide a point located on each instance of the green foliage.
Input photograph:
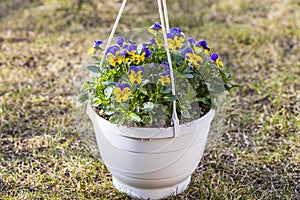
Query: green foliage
(143, 70)
(94, 69)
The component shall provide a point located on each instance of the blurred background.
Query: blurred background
(43, 44)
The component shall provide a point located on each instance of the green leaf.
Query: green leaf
(134, 117)
(215, 103)
(109, 83)
(122, 120)
(170, 98)
(160, 40)
(143, 91)
(228, 86)
(202, 100)
(188, 70)
(82, 98)
(147, 119)
(215, 85)
(108, 91)
(94, 69)
(96, 58)
(96, 102)
(109, 112)
(147, 107)
(185, 114)
(235, 85)
(228, 76)
(165, 90)
(113, 119)
(188, 76)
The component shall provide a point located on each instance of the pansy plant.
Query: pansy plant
(134, 81)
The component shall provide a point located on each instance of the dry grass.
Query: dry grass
(43, 44)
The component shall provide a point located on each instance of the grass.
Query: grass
(42, 46)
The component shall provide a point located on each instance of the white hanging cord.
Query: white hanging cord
(113, 31)
(166, 15)
(161, 15)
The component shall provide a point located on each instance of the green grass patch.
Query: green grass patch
(43, 44)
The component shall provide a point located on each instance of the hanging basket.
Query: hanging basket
(153, 162)
(151, 168)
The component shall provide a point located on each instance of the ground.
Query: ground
(42, 47)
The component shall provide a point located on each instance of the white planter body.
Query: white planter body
(150, 162)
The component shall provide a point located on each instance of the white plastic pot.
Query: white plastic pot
(150, 162)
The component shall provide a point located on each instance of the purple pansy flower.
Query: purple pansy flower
(165, 73)
(120, 41)
(97, 43)
(153, 41)
(191, 41)
(130, 47)
(176, 31)
(130, 42)
(171, 36)
(214, 57)
(186, 51)
(113, 50)
(147, 52)
(156, 27)
(203, 44)
(165, 65)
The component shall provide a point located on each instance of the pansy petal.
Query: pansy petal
(204, 45)
(131, 48)
(147, 52)
(175, 31)
(120, 41)
(165, 65)
(156, 25)
(191, 41)
(153, 41)
(97, 43)
(220, 63)
(155, 28)
(92, 51)
(117, 91)
(214, 57)
(113, 50)
(187, 50)
(136, 69)
(171, 36)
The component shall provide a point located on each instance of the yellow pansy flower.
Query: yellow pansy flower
(164, 78)
(189, 54)
(122, 92)
(215, 57)
(135, 74)
(114, 56)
